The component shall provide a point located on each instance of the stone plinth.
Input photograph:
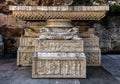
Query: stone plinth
(25, 51)
(92, 51)
(59, 65)
(59, 59)
(24, 56)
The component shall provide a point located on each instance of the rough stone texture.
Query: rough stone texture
(109, 38)
(92, 51)
(59, 45)
(25, 51)
(60, 65)
(24, 56)
(91, 46)
(27, 41)
(59, 59)
(11, 30)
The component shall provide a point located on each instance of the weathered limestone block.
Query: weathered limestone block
(91, 48)
(92, 51)
(87, 34)
(91, 42)
(59, 65)
(27, 41)
(93, 55)
(24, 56)
(59, 46)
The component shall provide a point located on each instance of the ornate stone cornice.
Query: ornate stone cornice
(59, 12)
(59, 8)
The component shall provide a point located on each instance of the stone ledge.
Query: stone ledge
(59, 46)
(58, 55)
(59, 8)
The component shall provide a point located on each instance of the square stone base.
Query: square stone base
(59, 65)
(92, 51)
(24, 56)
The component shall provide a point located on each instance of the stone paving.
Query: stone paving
(112, 64)
(108, 73)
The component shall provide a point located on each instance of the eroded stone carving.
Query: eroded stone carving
(30, 32)
(24, 56)
(46, 33)
(62, 66)
(59, 46)
(48, 2)
(27, 41)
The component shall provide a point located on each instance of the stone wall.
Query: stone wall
(109, 37)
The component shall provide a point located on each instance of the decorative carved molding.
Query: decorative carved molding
(46, 33)
(59, 46)
(74, 67)
(62, 12)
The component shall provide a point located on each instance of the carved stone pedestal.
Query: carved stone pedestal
(91, 48)
(25, 51)
(59, 50)
(59, 65)
(92, 51)
(59, 59)
(24, 56)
